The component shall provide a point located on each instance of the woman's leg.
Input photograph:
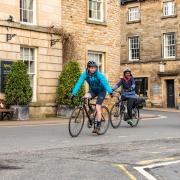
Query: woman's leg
(130, 104)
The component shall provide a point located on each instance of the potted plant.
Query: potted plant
(67, 80)
(18, 91)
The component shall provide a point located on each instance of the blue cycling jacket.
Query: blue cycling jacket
(128, 87)
(97, 83)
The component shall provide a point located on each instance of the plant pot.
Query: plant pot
(21, 112)
(64, 111)
(178, 106)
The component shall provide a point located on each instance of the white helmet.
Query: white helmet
(127, 70)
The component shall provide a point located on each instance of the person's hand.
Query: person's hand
(111, 94)
(128, 90)
(72, 97)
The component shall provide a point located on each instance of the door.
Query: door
(170, 94)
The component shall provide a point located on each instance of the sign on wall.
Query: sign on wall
(5, 68)
(156, 89)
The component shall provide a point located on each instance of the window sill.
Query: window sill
(133, 22)
(102, 23)
(171, 16)
(134, 60)
(28, 24)
(169, 59)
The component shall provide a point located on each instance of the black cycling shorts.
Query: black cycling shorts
(100, 96)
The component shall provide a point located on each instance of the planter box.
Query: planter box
(21, 112)
(64, 111)
(178, 106)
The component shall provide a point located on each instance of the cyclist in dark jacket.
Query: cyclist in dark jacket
(127, 92)
(98, 86)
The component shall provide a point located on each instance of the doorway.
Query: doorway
(170, 93)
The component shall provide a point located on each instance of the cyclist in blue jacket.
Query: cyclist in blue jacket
(127, 91)
(98, 86)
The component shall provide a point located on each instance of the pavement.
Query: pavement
(56, 120)
(47, 152)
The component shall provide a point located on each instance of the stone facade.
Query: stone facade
(89, 35)
(48, 59)
(150, 29)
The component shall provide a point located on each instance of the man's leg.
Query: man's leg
(88, 95)
(99, 102)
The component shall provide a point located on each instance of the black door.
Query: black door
(170, 94)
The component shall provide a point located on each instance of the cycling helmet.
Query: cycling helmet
(91, 64)
(127, 70)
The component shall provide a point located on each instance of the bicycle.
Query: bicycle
(77, 118)
(119, 112)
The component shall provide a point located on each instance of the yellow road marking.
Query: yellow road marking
(124, 169)
(146, 162)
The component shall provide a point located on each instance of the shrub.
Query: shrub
(18, 90)
(67, 80)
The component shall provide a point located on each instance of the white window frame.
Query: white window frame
(93, 59)
(167, 46)
(169, 8)
(34, 97)
(34, 15)
(130, 49)
(133, 14)
(102, 9)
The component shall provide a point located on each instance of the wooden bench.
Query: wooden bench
(4, 111)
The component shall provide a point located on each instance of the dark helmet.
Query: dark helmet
(91, 64)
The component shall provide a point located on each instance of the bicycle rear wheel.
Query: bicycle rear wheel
(116, 116)
(105, 120)
(136, 117)
(76, 121)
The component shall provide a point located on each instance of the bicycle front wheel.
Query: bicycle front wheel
(76, 121)
(105, 120)
(116, 116)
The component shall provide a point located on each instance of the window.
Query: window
(169, 8)
(169, 45)
(27, 11)
(134, 50)
(141, 88)
(96, 10)
(98, 58)
(28, 57)
(134, 14)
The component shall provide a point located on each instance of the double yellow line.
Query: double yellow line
(125, 170)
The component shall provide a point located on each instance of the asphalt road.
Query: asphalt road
(48, 152)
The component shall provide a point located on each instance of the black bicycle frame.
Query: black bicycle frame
(85, 108)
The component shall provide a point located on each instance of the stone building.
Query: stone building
(150, 46)
(95, 28)
(24, 35)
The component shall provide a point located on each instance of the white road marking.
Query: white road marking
(151, 118)
(148, 176)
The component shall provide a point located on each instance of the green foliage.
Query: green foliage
(67, 80)
(18, 89)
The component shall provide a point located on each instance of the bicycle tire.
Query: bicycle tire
(137, 117)
(104, 128)
(77, 113)
(116, 112)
